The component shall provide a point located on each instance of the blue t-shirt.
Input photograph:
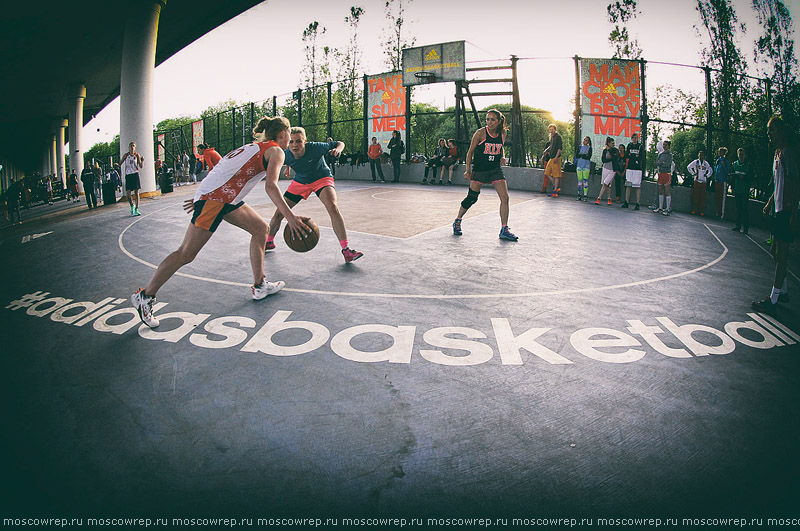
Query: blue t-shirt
(311, 166)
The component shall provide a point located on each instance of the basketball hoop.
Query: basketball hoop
(425, 77)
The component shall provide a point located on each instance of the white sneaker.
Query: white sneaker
(144, 305)
(266, 288)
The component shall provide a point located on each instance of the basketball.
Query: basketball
(302, 245)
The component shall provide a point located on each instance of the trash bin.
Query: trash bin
(166, 182)
(109, 193)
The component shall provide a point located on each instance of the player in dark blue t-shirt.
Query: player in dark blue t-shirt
(312, 174)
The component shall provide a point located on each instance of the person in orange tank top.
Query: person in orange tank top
(220, 197)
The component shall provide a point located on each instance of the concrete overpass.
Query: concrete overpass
(51, 53)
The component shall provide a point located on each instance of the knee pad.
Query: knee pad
(471, 199)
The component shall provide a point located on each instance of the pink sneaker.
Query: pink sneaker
(270, 246)
(350, 255)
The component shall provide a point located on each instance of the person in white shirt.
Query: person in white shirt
(700, 170)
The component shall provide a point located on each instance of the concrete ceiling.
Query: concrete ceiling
(47, 47)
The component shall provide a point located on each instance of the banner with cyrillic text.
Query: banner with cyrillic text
(611, 101)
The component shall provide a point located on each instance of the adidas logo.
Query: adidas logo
(610, 89)
(432, 55)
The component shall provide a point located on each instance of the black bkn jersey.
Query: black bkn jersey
(488, 153)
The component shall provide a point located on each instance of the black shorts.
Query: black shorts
(208, 214)
(781, 227)
(132, 182)
(488, 177)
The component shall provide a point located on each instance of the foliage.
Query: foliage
(730, 88)
(395, 42)
(623, 11)
(774, 50)
(103, 152)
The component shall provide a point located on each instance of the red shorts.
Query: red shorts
(664, 178)
(298, 191)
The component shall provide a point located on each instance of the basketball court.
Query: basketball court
(607, 364)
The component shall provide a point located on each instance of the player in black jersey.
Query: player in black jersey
(484, 161)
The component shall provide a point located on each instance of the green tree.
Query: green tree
(315, 74)
(348, 98)
(426, 125)
(729, 86)
(622, 12)
(396, 40)
(774, 52)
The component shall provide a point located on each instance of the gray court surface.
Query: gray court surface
(607, 365)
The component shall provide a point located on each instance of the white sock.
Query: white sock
(774, 296)
(660, 201)
(669, 201)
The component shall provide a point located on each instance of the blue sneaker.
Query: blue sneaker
(457, 227)
(506, 234)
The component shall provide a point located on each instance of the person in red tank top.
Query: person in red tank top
(209, 210)
(484, 161)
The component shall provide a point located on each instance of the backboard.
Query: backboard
(434, 63)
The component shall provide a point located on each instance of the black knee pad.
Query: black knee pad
(471, 199)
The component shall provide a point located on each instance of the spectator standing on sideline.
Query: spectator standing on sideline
(553, 154)
(701, 171)
(619, 173)
(98, 179)
(374, 152)
(199, 164)
(185, 166)
(583, 164)
(396, 150)
(132, 162)
(786, 174)
(48, 188)
(12, 201)
(435, 161)
(664, 166)
(72, 186)
(210, 155)
(610, 160)
(115, 179)
(87, 178)
(741, 182)
(450, 161)
(634, 158)
(722, 171)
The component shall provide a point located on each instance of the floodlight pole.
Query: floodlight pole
(365, 140)
(408, 125)
(517, 138)
(644, 119)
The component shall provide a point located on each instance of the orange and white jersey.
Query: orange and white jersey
(235, 175)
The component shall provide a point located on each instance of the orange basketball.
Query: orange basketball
(302, 245)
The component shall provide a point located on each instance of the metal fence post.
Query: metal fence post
(578, 117)
(330, 111)
(709, 120)
(365, 143)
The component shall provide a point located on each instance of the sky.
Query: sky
(260, 53)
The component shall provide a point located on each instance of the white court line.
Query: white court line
(437, 297)
(770, 255)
